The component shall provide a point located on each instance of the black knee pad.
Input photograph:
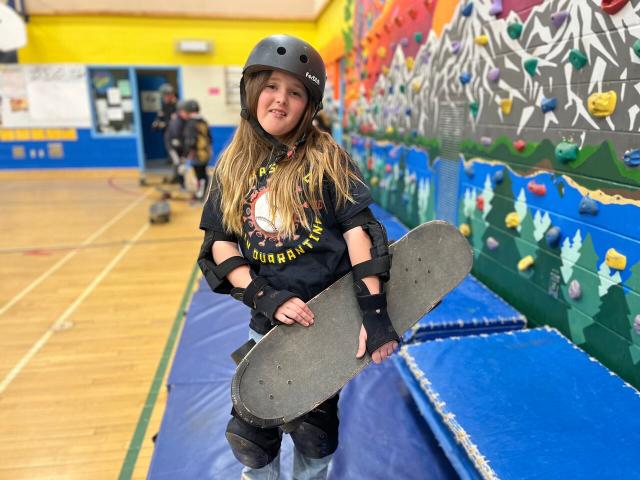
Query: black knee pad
(254, 447)
(317, 435)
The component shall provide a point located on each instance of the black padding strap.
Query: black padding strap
(372, 302)
(228, 265)
(361, 218)
(238, 354)
(376, 266)
(256, 285)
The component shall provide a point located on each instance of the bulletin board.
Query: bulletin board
(111, 100)
(34, 96)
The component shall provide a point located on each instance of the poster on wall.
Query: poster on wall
(44, 96)
(112, 101)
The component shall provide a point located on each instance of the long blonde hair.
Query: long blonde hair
(316, 160)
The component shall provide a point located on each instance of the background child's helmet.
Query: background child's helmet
(294, 56)
(189, 106)
(166, 88)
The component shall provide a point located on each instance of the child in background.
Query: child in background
(197, 143)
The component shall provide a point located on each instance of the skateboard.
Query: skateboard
(293, 369)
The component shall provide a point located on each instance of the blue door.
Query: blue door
(149, 81)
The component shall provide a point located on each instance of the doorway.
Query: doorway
(148, 81)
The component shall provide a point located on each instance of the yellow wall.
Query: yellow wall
(147, 41)
(329, 31)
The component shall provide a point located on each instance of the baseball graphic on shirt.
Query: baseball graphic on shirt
(264, 221)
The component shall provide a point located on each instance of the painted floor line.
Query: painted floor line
(69, 311)
(70, 255)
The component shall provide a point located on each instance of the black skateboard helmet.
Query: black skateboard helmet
(189, 106)
(294, 56)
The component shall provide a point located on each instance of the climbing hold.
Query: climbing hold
(505, 105)
(577, 58)
(512, 220)
(465, 230)
(526, 263)
(363, 74)
(407, 112)
(613, 6)
(519, 145)
(531, 65)
(636, 324)
(588, 206)
(548, 104)
(418, 37)
(409, 62)
(496, 8)
(378, 35)
(387, 168)
(566, 151)
(402, 89)
(636, 47)
(468, 169)
(467, 9)
(385, 69)
(632, 158)
(389, 130)
(602, 104)
(412, 13)
(404, 42)
(498, 176)
(514, 30)
(537, 188)
(370, 163)
(374, 181)
(482, 40)
(486, 141)
(559, 18)
(575, 290)
(465, 77)
(398, 21)
(553, 236)
(473, 107)
(455, 47)
(615, 259)
(494, 74)
(492, 243)
(480, 203)
(390, 88)
(387, 28)
(382, 52)
(415, 86)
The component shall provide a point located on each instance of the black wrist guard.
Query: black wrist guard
(375, 317)
(262, 297)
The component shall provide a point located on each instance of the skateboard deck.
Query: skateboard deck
(293, 368)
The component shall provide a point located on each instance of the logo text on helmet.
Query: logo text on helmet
(313, 78)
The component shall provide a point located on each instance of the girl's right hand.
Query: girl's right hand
(293, 311)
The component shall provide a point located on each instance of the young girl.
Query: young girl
(287, 216)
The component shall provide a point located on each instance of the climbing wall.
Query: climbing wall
(550, 150)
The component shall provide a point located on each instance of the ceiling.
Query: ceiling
(305, 10)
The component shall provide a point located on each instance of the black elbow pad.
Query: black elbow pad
(216, 275)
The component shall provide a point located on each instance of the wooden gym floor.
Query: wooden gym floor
(91, 297)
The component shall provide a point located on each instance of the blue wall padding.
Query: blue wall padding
(191, 442)
(471, 308)
(533, 404)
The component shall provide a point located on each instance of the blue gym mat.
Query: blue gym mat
(524, 405)
(469, 309)
(382, 434)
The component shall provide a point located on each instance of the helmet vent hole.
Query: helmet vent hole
(281, 50)
(304, 59)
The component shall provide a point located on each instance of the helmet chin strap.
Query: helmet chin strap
(280, 149)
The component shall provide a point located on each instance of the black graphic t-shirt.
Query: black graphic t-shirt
(305, 264)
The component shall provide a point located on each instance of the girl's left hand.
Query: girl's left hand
(293, 311)
(382, 353)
